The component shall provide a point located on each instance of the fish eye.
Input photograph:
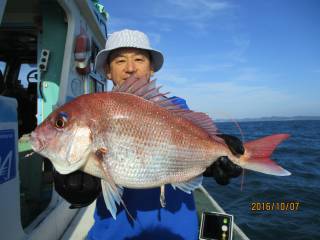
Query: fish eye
(61, 120)
(60, 123)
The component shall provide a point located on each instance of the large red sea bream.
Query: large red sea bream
(135, 137)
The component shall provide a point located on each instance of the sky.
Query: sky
(232, 59)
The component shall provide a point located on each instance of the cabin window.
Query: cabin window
(2, 66)
(28, 74)
(97, 83)
(2, 72)
(94, 52)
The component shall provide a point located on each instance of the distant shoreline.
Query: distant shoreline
(267, 119)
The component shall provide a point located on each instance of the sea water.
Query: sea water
(272, 207)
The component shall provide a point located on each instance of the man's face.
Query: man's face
(126, 62)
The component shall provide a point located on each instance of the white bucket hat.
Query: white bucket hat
(123, 39)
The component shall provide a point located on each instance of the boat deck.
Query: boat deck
(204, 202)
(83, 220)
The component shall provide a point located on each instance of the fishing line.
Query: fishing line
(229, 117)
(242, 180)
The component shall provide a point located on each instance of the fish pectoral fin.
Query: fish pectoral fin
(190, 185)
(162, 196)
(111, 192)
(111, 195)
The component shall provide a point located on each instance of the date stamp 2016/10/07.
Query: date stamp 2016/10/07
(275, 206)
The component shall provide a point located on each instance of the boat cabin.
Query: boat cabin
(47, 52)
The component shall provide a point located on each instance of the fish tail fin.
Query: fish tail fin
(258, 152)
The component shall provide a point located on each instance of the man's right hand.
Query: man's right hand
(223, 168)
(78, 188)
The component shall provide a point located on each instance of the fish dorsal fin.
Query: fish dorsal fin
(149, 91)
(202, 120)
(142, 88)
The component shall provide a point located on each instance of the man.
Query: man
(129, 53)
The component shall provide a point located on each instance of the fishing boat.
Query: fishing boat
(47, 52)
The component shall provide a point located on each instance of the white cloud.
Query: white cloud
(230, 99)
(241, 45)
(206, 67)
(201, 4)
(193, 9)
(173, 79)
(248, 74)
(195, 13)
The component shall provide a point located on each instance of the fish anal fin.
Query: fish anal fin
(190, 185)
(162, 196)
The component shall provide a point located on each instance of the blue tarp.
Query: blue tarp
(8, 114)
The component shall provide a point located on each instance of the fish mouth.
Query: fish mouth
(37, 144)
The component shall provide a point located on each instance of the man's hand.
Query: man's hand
(234, 143)
(78, 188)
(223, 169)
